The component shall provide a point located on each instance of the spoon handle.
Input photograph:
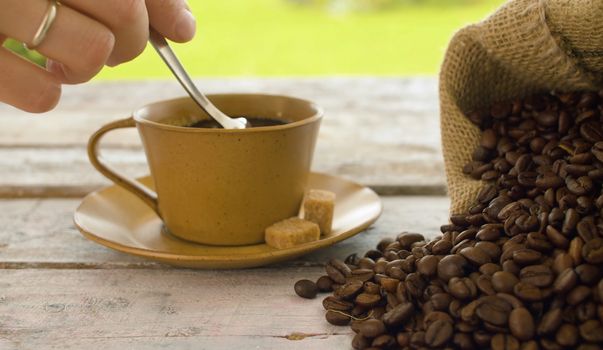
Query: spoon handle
(170, 59)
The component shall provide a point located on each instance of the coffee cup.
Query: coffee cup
(220, 186)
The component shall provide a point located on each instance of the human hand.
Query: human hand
(85, 36)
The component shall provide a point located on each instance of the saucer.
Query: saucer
(117, 219)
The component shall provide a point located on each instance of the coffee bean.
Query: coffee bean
(349, 290)
(504, 282)
(360, 342)
(438, 333)
(334, 303)
(306, 289)
(504, 342)
(462, 288)
(337, 318)
(428, 265)
(475, 255)
(372, 328)
(578, 295)
(567, 335)
(550, 322)
(337, 270)
(384, 341)
(527, 292)
(537, 275)
(451, 266)
(592, 251)
(362, 275)
(324, 284)
(493, 310)
(526, 256)
(367, 300)
(591, 331)
(398, 314)
(588, 274)
(406, 239)
(521, 324)
(591, 131)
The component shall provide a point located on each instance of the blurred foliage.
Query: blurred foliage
(31, 55)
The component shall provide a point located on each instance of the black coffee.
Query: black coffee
(252, 122)
(521, 269)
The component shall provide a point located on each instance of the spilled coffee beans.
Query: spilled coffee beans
(521, 269)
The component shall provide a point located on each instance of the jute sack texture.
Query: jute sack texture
(525, 47)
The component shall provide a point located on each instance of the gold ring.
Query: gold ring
(49, 17)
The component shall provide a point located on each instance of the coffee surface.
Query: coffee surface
(252, 122)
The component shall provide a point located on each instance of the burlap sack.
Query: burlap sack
(526, 46)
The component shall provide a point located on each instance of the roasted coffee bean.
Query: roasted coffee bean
(338, 271)
(337, 318)
(428, 265)
(362, 275)
(384, 341)
(406, 239)
(349, 290)
(537, 275)
(588, 274)
(504, 282)
(438, 333)
(565, 281)
(592, 251)
(371, 328)
(527, 292)
(521, 324)
(526, 256)
(550, 321)
(502, 341)
(494, 310)
(334, 303)
(567, 335)
(462, 288)
(451, 266)
(578, 295)
(367, 300)
(475, 255)
(324, 284)
(398, 314)
(306, 289)
(360, 342)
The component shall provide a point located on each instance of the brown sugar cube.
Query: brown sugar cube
(319, 206)
(291, 232)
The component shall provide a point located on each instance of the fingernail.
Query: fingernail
(186, 25)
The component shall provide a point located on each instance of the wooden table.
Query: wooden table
(59, 290)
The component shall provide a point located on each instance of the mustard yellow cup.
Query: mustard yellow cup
(217, 186)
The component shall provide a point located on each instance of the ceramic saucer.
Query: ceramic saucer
(117, 219)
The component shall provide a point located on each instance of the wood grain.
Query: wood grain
(382, 132)
(40, 234)
(152, 309)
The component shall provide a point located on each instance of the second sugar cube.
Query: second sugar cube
(319, 206)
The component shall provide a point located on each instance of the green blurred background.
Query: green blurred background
(313, 37)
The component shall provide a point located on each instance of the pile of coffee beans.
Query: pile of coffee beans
(521, 269)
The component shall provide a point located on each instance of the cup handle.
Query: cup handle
(147, 195)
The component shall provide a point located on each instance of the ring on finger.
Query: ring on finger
(47, 21)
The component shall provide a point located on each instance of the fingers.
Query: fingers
(81, 44)
(26, 86)
(172, 18)
(127, 19)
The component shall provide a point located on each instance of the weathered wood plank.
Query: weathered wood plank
(379, 131)
(387, 110)
(66, 171)
(40, 234)
(152, 309)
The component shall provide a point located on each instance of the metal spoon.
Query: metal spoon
(170, 59)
